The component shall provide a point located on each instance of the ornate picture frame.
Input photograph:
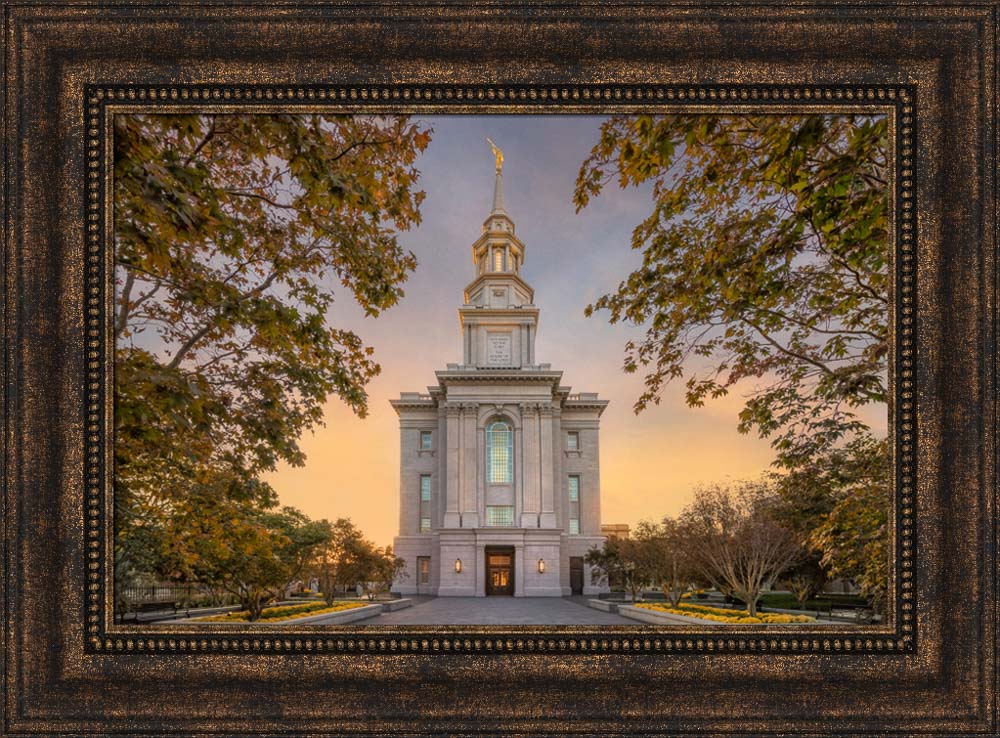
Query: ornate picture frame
(69, 668)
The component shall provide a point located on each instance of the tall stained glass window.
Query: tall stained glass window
(499, 453)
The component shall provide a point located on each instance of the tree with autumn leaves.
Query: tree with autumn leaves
(764, 264)
(346, 558)
(234, 234)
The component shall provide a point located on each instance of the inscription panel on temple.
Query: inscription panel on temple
(498, 349)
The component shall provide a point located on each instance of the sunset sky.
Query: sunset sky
(649, 463)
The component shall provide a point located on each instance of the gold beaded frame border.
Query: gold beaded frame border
(103, 636)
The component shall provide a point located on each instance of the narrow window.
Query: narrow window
(573, 441)
(499, 516)
(424, 569)
(497, 260)
(425, 503)
(574, 505)
(426, 440)
(499, 453)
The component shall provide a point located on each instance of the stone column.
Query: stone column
(531, 501)
(546, 439)
(452, 516)
(469, 496)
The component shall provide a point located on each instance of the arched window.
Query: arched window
(499, 453)
(498, 265)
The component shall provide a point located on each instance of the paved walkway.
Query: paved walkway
(497, 611)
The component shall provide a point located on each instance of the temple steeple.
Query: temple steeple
(498, 250)
(499, 309)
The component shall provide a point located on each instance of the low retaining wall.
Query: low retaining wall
(603, 605)
(393, 605)
(336, 618)
(658, 617)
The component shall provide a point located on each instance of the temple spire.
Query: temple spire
(498, 184)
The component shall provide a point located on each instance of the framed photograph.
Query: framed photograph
(422, 369)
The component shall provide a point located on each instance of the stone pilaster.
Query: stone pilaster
(480, 471)
(519, 570)
(531, 499)
(452, 513)
(470, 450)
(546, 438)
(480, 571)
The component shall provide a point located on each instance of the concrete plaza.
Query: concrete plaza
(497, 611)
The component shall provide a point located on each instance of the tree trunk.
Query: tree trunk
(636, 590)
(255, 606)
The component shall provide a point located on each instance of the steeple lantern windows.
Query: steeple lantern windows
(499, 264)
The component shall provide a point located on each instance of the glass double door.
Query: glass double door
(500, 571)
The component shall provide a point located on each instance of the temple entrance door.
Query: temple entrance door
(500, 570)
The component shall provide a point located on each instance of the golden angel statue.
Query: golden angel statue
(497, 153)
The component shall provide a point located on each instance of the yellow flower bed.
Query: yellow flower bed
(722, 615)
(288, 612)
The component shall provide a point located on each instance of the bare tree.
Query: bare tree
(735, 542)
(665, 552)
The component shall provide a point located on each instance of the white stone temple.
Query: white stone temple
(499, 485)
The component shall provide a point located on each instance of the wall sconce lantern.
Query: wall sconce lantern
(541, 566)
(458, 566)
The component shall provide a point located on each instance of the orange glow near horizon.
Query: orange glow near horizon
(650, 463)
